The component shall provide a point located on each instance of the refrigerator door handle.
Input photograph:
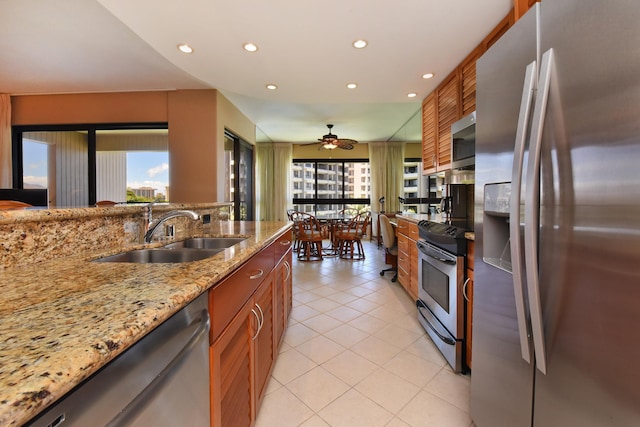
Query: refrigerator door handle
(514, 207)
(532, 210)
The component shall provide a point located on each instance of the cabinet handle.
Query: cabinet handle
(286, 243)
(286, 264)
(257, 275)
(464, 289)
(258, 329)
(261, 319)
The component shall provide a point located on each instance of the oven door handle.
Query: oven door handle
(444, 260)
(445, 339)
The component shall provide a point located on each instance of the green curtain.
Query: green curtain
(273, 176)
(387, 174)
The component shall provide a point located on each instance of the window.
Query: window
(80, 164)
(326, 187)
(419, 191)
(239, 186)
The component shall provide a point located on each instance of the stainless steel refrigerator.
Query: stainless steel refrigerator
(556, 324)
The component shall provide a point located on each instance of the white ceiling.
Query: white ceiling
(72, 46)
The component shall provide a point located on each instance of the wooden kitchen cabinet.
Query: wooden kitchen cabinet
(468, 295)
(453, 99)
(468, 81)
(439, 111)
(249, 312)
(429, 134)
(407, 236)
(449, 111)
(232, 384)
(283, 295)
(265, 346)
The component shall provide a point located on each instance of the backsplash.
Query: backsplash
(33, 236)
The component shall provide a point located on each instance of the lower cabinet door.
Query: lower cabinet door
(283, 297)
(264, 342)
(231, 356)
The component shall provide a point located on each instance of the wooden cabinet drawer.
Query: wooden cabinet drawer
(226, 298)
(281, 246)
(470, 253)
(403, 227)
(403, 244)
(414, 234)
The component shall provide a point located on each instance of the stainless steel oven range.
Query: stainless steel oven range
(440, 278)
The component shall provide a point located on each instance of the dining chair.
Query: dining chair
(350, 236)
(310, 234)
(105, 203)
(7, 205)
(390, 246)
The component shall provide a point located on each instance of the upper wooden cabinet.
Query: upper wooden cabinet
(449, 107)
(429, 137)
(468, 81)
(453, 99)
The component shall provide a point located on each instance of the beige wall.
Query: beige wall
(125, 107)
(197, 119)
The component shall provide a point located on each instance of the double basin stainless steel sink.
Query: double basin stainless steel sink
(187, 250)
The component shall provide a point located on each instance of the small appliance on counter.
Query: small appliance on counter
(457, 205)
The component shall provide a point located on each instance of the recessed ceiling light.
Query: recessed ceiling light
(359, 44)
(427, 75)
(250, 47)
(185, 48)
(272, 87)
(352, 85)
(412, 95)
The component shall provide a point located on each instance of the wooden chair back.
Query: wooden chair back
(13, 205)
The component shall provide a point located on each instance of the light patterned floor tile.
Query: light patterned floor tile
(346, 335)
(322, 323)
(291, 365)
(427, 410)
(283, 409)
(454, 388)
(387, 390)
(320, 349)
(353, 409)
(355, 355)
(376, 350)
(350, 367)
(317, 388)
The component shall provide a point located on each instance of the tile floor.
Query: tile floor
(355, 355)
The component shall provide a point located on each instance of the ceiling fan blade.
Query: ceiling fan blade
(346, 141)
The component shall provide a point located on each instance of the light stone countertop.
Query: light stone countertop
(60, 321)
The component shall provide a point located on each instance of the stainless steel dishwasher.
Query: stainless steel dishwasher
(163, 380)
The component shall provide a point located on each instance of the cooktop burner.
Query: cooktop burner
(445, 236)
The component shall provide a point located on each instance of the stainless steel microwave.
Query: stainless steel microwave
(463, 143)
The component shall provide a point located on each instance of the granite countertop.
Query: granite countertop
(63, 320)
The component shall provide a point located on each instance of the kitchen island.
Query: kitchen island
(63, 319)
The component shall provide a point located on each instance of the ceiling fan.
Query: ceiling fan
(331, 141)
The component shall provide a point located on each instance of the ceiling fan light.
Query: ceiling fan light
(330, 146)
